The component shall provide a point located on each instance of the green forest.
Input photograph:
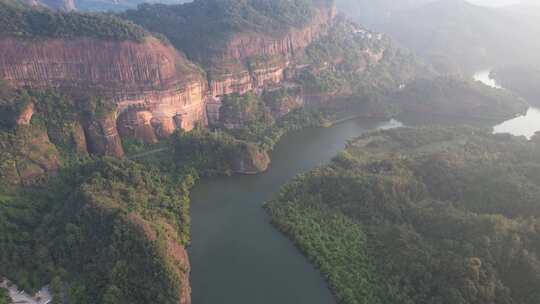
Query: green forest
(206, 25)
(95, 229)
(66, 212)
(17, 20)
(101, 230)
(434, 215)
(412, 216)
(458, 98)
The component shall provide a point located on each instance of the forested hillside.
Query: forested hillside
(98, 233)
(95, 229)
(460, 99)
(103, 230)
(201, 28)
(422, 216)
(17, 20)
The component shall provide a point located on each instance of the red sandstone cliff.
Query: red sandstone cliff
(155, 88)
(274, 51)
(253, 60)
(150, 77)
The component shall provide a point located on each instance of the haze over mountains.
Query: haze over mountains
(455, 35)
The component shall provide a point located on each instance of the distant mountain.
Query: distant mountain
(457, 36)
(95, 5)
(118, 5)
(368, 12)
(63, 5)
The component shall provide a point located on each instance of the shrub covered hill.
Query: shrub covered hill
(422, 216)
(96, 230)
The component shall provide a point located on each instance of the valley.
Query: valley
(424, 213)
(138, 148)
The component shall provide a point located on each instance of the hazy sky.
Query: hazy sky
(494, 2)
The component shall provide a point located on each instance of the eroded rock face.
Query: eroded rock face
(79, 139)
(26, 114)
(248, 45)
(165, 111)
(151, 76)
(231, 83)
(245, 47)
(102, 137)
(250, 160)
(155, 88)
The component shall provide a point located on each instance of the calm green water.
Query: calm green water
(237, 257)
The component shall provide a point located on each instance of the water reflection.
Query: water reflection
(526, 125)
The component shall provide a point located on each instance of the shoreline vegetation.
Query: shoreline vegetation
(101, 230)
(420, 214)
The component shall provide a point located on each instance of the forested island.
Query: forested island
(430, 215)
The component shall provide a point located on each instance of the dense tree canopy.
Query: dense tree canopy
(102, 228)
(17, 20)
(422, 216)
(200, 28)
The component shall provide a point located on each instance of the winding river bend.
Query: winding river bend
(526, 125)
(237, 257)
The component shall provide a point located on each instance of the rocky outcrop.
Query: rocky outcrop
(273, 53)
(157, 115)
(149, 77)
(250, 160)
(247, 45)
(235, 82)
(25, 116)
(102, 136)
(79, 139)
(156, 90)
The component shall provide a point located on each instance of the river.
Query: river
(237, 256)
(526, 125)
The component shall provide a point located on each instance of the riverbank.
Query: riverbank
(231, 233)
(395, 216)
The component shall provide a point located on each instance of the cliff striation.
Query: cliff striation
(243, 45)
(151, 78)
(262, 58)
